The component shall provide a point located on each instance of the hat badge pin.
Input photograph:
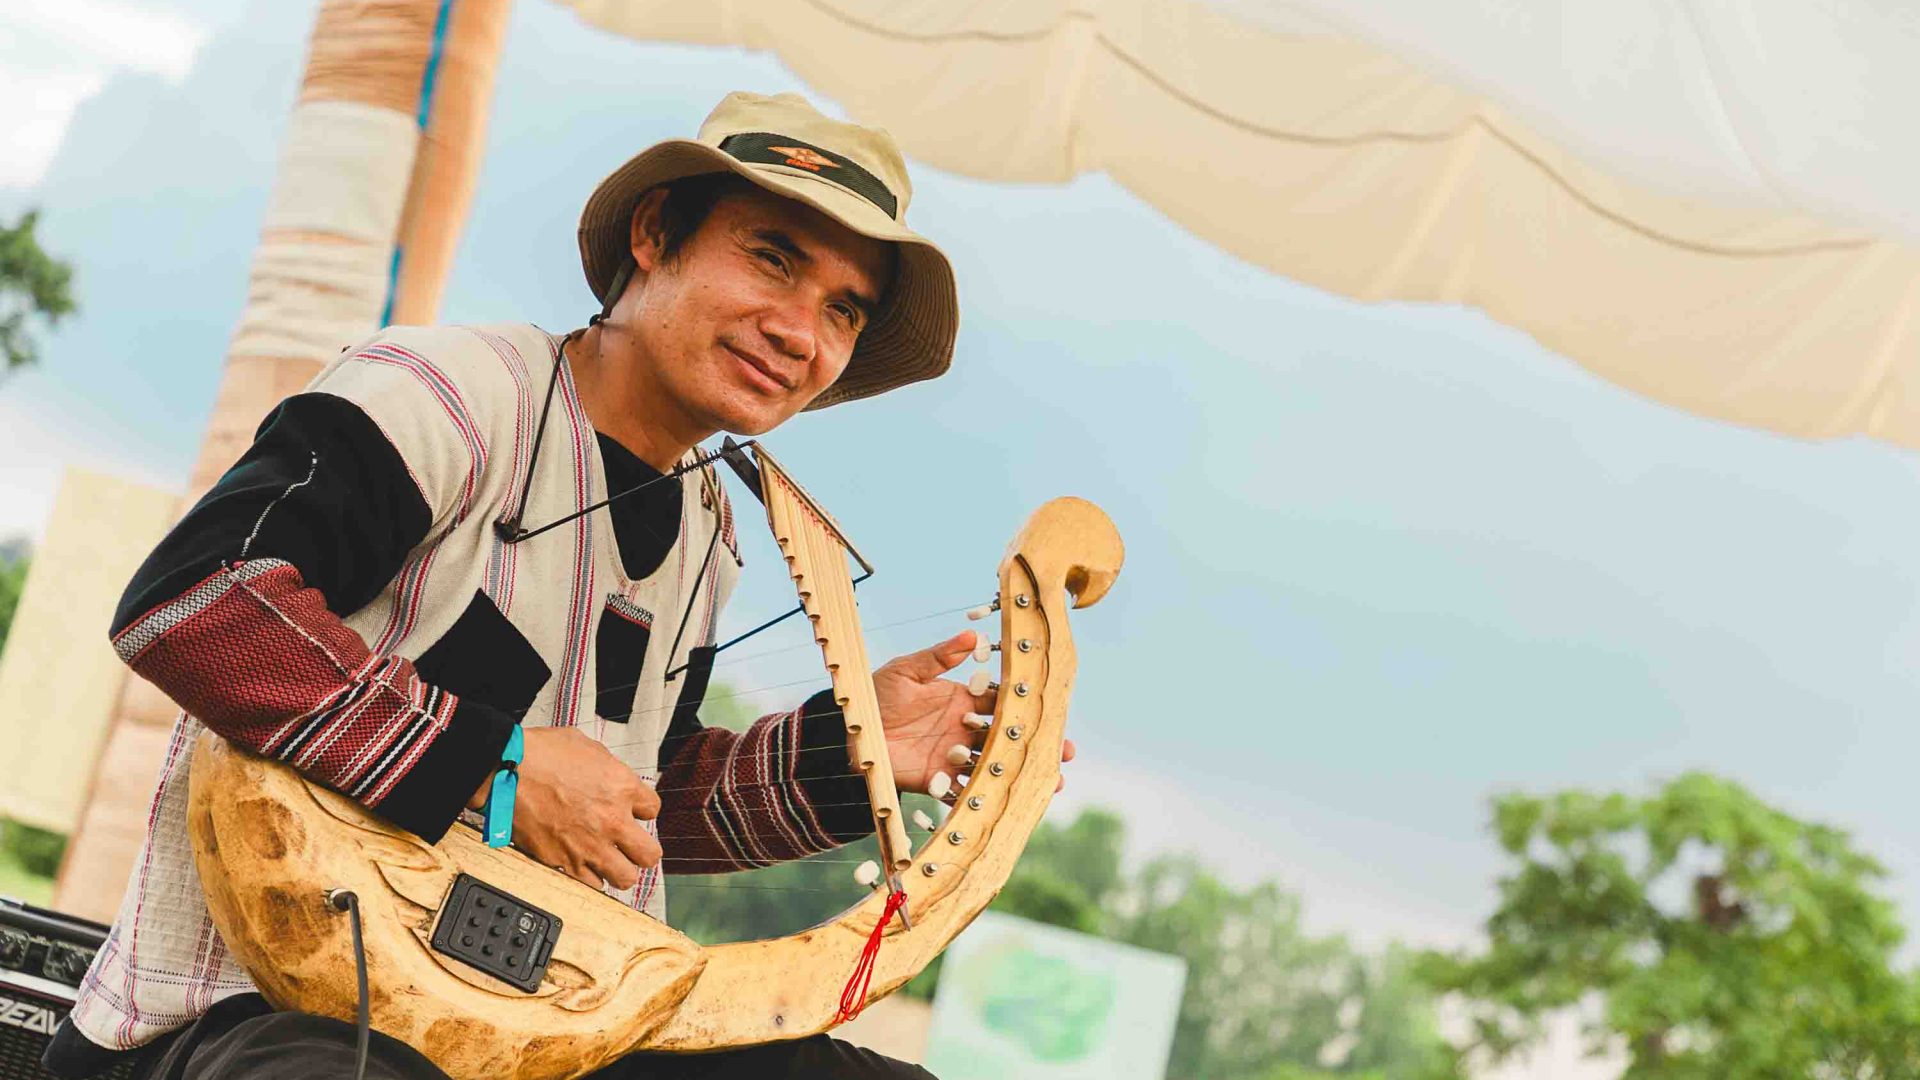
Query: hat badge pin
(803, 157)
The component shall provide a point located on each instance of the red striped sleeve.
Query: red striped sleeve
(258, 657)
(780, 790)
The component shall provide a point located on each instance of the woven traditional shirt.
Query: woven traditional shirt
(342, 601)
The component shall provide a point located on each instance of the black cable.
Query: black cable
(510, 530)
(693, 595)
(345, 900)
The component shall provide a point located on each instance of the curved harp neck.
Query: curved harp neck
(816, 551)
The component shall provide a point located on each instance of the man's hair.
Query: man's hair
(689, 200)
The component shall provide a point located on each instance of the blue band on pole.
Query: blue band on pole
(499, 809)
(427, 79)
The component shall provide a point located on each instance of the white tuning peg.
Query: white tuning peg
(921, 819)
(984, 610)
(963, 779)
(980, 682)
(977, 722)
(982, 649)
(867, 873)
(940, 786)
(962, 755)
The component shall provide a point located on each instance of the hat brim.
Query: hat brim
(909, 339)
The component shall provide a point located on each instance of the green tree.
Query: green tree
(1717, 937)
(33, 284)
(1260, 991)
(1395, 1033)
(1264, 999)
(1065, 874)
(1267, 1000)
(774, 900)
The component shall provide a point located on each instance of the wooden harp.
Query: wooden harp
(271, 846)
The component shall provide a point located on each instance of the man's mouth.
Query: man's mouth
(765, 371)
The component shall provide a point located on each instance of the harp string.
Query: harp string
(775, 686)
(812, 546)
(884, 628)
(816, 551)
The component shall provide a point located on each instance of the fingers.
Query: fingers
(646, 801)
(575, 867)
(639, 846)
(936, 660)
(583, 875)
(616, 860)
(615, 869)
(1066, 750)
(984, 704)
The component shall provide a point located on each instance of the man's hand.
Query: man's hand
(578, 809)
(923, 713)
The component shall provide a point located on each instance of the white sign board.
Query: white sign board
(1019, 1000)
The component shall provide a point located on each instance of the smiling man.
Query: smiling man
(374, 596)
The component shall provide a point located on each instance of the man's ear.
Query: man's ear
(646, 234)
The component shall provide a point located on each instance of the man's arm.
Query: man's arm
(735, 800)
(236, 616)
(784, 789)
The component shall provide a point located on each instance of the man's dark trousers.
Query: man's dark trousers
(242, 1038)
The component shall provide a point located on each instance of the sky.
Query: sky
(1385, 561)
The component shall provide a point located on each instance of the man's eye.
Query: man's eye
(848, 314)
(771, 258)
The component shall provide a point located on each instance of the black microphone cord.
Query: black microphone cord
(345, 900)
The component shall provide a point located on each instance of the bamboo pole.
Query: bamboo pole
(381, 154)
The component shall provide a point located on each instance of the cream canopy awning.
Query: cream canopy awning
(1710, 204)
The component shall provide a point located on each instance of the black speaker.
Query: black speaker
(43, 955)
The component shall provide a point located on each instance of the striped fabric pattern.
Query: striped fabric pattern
(738, 804)
(629, 610)
(295, 685)
(254, 654)
(581, 610)
(502, 556)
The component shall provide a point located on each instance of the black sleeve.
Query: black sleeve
(347, 526)
(236, 616)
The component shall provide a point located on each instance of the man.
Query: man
(373, 594)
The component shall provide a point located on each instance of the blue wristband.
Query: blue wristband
(499, 808)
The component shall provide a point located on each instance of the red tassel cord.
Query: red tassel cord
(854, 997)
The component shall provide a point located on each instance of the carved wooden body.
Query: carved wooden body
(270, 845)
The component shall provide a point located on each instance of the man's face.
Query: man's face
(758, 311)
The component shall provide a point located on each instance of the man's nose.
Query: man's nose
(791, 331)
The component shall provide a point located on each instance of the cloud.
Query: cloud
(56, 55)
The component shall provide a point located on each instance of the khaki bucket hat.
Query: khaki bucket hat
(853, 174)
